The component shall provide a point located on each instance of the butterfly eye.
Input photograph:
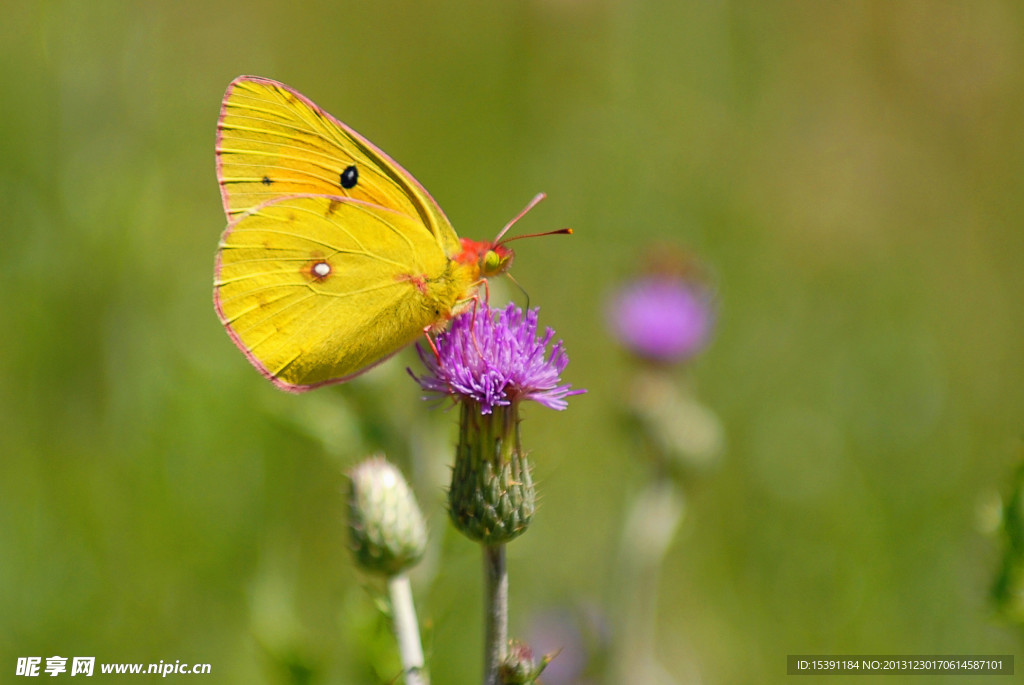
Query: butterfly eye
(349, 177)
(493, 263)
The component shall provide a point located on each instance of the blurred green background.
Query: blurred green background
(852, 172)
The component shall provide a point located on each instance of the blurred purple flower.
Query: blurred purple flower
(494, 358)
(663, 318)
(577, 637)
(558, 633)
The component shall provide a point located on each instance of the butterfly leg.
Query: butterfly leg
(472, 320)
(430, 341)
(475, 298)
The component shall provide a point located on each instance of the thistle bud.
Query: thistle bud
(492, 498)
(519, 666)
(387, 528)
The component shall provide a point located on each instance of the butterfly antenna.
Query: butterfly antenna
(529, 205)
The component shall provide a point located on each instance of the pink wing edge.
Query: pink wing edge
(316, 108)
(264, 371)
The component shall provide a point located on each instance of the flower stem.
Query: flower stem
(652, 522)
(406, 629)
(495, 612)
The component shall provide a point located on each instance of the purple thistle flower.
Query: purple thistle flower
(494, 358)
(662, 318)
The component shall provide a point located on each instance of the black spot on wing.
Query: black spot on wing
(349, 177)
(266, 181)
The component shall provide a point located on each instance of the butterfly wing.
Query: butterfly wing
(273, 142)
(316, 289)
(335, 257)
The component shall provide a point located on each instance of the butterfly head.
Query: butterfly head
(493, 258)
(490, 259)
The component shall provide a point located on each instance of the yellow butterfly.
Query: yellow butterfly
(334, 257)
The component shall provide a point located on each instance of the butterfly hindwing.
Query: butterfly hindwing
(316, 289)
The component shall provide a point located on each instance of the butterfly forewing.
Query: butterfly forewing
(273, 142)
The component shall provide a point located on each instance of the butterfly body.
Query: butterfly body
(334, 257)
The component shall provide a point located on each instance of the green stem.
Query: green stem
(650, 526)
(495, 612)
(403, 614)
